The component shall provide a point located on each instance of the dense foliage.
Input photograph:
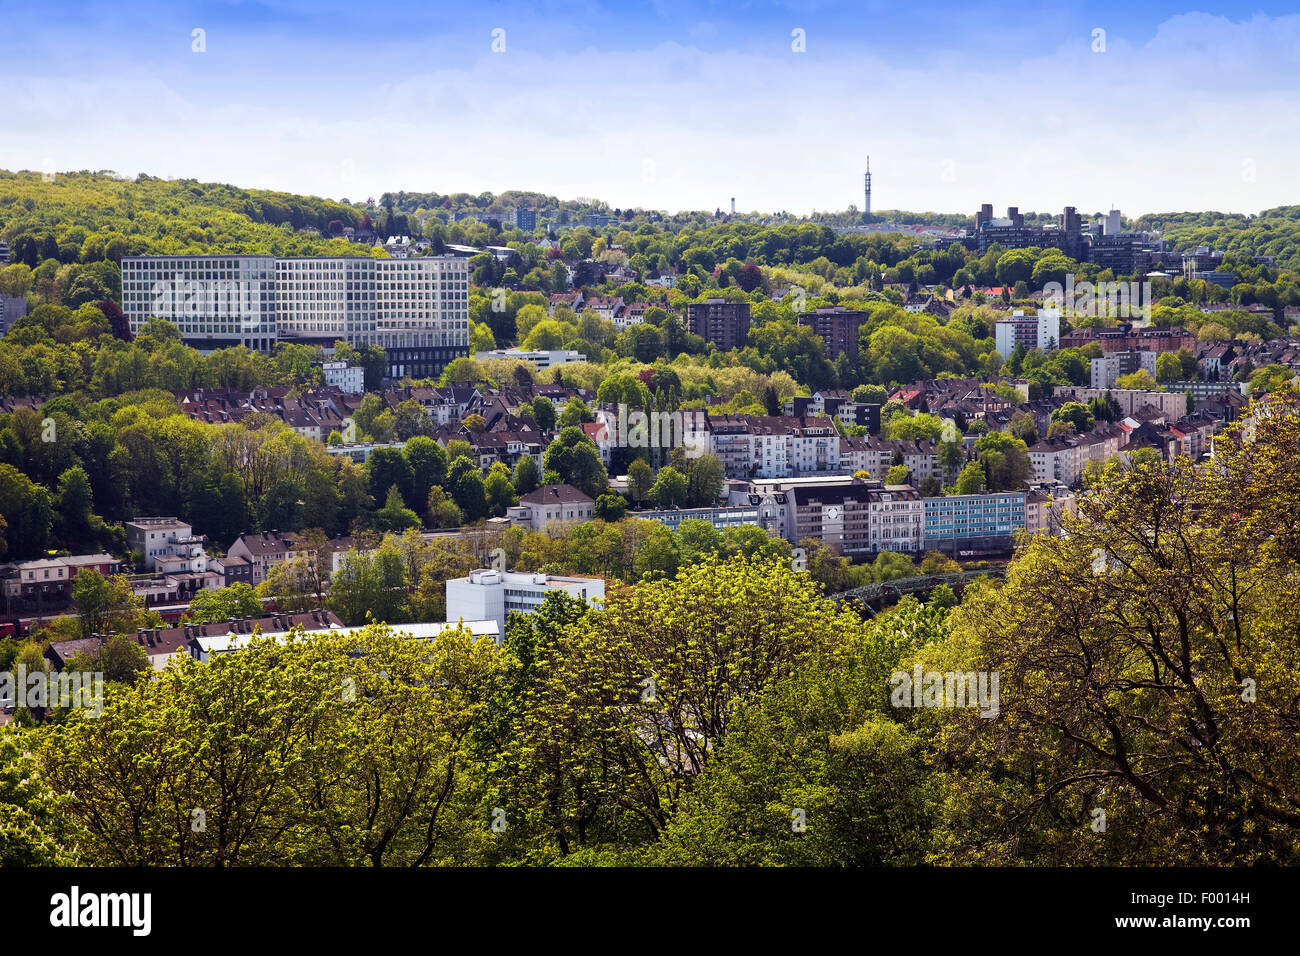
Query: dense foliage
(730, 714)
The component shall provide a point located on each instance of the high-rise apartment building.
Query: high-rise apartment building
(1041, 331)
(838, 327)
(416, 309)
(725, 324)
(1105, 370)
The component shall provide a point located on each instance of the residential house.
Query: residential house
(552, 505)
(263, 550)
(49, 580)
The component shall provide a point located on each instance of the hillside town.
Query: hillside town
(822, 468)
(419, 490)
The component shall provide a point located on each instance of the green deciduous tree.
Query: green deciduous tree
(1005, 459)
(1139, 656)
(670, 490)
(499, 489)
(1075, 414)
(898, 475)
(394, 515)
(106, 605)
(526, 475)
(971, 479)
(574, 457)
(352, 750)
(230, 603)
(466, 487)
(704, 476)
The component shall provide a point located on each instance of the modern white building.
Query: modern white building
(215, 301)
(542, 359)
(361, 451)
(347, 378)
(1105, 370)
(169, 541)
(1041, 331)
(488, 595)
(203, 648)
(416, 309)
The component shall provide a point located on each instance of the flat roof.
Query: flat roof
(809, 480)
(422, 630)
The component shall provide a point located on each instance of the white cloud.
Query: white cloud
(1156, 126)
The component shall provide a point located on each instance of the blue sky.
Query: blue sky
(671, 104)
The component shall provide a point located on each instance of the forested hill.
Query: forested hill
(1274, 232)
(89, 217)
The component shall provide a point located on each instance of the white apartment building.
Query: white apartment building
(168, 540)
(770, 454)
(1042, 331)
(780, 446)
(487, 595)
(416, 309)
(814, 447)
(1171, 404)
(542, 359)
(1105, 370)
(347, 378)
(876, 455)
(1063, 458)
(896, 520)
(605, 306)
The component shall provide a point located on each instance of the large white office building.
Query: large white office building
(417, 309)
(215, 301)
(1041, 331)
(488, 595)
